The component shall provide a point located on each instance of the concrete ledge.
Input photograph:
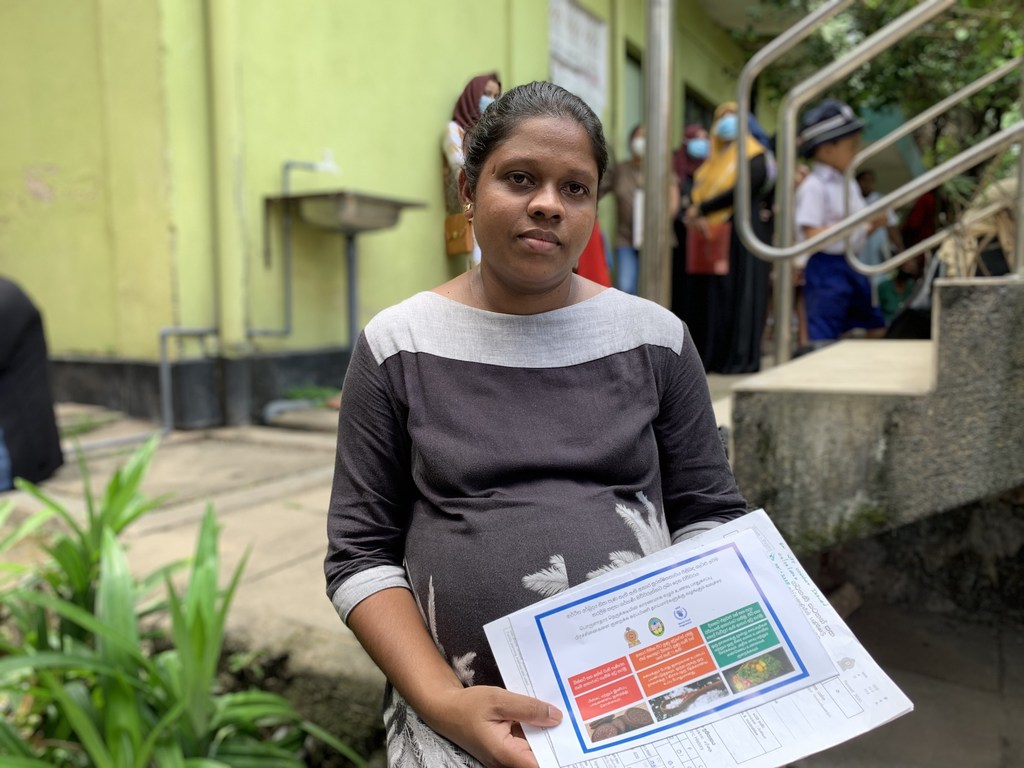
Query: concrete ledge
(866, 436)
(866, 367)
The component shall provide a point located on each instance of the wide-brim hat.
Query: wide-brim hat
(829, 121)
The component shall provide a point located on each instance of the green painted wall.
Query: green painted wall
(84, 220)
(706, 60)
(147, 133)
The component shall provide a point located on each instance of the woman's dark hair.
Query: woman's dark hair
(536, 99)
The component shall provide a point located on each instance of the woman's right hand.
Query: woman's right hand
(695, 219)
(485, 721)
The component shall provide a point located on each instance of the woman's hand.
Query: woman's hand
(484, 721)
(695, 219)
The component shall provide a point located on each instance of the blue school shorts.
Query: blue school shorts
(837, 299)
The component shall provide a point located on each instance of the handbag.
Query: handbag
(458, 234)
(708, 254)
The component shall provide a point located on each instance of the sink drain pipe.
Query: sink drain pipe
(326, 165)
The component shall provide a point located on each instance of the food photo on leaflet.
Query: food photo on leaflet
(696, 671)
(477, 413)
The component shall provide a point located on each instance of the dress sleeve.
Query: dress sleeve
(371, 496)
(699, 489)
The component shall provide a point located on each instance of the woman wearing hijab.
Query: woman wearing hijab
(687, 159)
(479, 93)
(728, 334)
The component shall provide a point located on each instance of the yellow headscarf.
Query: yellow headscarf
(718, 173)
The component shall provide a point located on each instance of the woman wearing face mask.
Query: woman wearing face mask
(627, 181)
(479, 93)
(729, 310)
(688, 158)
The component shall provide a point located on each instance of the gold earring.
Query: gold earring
(469, 207)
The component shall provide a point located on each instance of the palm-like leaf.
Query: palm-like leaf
(650, 530)
(549, 581)
(616, 560)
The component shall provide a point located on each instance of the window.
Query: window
(633, 98)
(697, 109)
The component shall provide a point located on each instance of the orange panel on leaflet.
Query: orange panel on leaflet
(606, 673)
(666, 649)
(608, 699)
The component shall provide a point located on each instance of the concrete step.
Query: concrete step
(856, 366)
(867, 435)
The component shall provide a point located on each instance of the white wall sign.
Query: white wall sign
(579, 52)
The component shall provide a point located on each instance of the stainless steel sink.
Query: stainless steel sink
(346, 211)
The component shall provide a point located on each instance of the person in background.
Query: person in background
(29, 438)
(514, 417)
(626, 180)
(884, 241)
(479, 93)
(898, 287)
(728, 332)
(803, 339)
(692, 152)
(837, 298)
(866, 184)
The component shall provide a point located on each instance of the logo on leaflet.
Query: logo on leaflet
(681, 616)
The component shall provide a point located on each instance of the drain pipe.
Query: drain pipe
(217, 17)
(166, 389)
(325, 165)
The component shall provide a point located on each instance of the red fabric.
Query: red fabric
(467, 108)
(593, 265)
(708, 254)
(920, 223)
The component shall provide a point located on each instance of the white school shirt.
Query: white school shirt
(819, 203)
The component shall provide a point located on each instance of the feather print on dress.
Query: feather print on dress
(414, 744)
(460, 664)
(647, 525)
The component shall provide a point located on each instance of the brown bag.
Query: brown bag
(458, 234)
(708, 255)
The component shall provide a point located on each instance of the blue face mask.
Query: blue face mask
(727, 128)
(698, 148)
(485, 102)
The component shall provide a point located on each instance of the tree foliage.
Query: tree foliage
(967, 41)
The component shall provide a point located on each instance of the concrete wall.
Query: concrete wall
(142, 136)
(85, 219)
(833, 466)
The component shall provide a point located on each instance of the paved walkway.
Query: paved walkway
(270, 488)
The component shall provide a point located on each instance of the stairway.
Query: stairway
(868, 435)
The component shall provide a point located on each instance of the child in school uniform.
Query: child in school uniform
(837, 299)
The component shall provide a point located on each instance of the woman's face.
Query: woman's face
(534, 205)
(492, 89)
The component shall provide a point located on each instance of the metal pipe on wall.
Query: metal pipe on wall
(655, 264)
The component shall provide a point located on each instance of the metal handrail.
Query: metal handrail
(894, 260)
(785, 188)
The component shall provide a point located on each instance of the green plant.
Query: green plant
(77, 686)
(315, 394)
